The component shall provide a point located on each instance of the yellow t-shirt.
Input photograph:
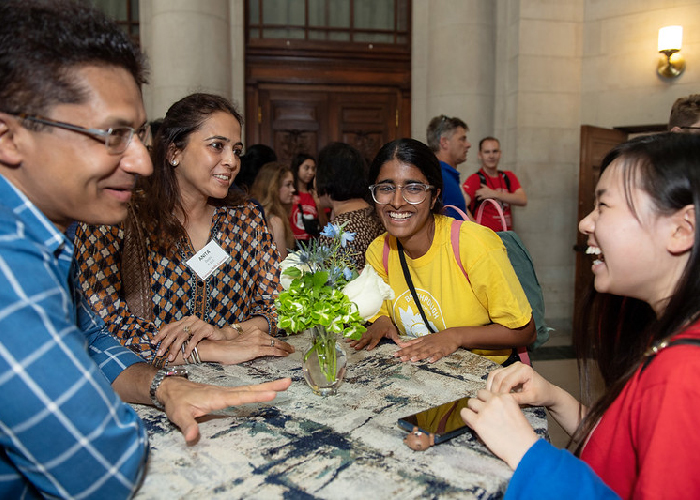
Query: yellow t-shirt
(491, 295)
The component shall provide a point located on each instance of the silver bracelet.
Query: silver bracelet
(183, 346)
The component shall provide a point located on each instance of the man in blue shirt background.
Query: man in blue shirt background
(447, 138)
(72, 133)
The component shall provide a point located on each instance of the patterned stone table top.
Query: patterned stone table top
(345, 446)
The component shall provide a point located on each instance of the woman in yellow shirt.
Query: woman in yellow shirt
(476, 302)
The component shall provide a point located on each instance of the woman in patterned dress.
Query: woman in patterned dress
(213, 270)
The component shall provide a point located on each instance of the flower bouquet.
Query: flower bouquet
(324, 293)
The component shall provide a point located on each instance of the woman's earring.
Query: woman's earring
(174, 163)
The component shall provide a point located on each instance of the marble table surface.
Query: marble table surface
(304, 446)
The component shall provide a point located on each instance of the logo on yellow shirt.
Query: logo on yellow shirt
(408, 318)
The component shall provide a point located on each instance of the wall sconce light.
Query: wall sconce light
(672, 64)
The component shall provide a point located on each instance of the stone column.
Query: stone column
(189, 47)
(453, 68)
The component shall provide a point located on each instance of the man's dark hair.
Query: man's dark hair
(41, 41)
(341, 172)
(685, 111)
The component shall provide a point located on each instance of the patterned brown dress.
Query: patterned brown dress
(245, 286)
(366, 225)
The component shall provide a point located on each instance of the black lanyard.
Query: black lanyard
(409, 281)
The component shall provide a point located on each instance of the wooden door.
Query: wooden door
(365, 120)
(293, 122)
(300, 118)
(595, 144)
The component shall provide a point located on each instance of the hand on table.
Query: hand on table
(381, 328)
(185, 400)
(498, 421)
(249, 345)
(431, 347)
(190, 329)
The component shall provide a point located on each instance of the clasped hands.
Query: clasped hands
(495, 415)
(228, 344)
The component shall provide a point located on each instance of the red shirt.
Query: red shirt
(490, 218)
(308, 211)
(647, 444)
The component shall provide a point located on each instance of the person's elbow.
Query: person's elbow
(528, 333)
(522, 197)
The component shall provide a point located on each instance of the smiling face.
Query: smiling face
(71, 176)
(287, 190)
(413, 225)
(307, 171)
(208, 164)
(631, 252)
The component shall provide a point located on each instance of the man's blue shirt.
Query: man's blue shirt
(64, 431)
(451, 190)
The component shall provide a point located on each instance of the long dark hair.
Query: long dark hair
(617, 330)
(158, 198)
(414, 153)
(294, 166)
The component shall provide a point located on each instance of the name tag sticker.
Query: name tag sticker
(208, 260)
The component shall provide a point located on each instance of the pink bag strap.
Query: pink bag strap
(499, 209)
(454, 236)
(385, 254)
(461, 213)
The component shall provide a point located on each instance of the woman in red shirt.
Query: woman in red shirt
(643, 332)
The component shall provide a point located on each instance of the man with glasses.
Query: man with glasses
(447, 138)
(685, 115)
(72, 141)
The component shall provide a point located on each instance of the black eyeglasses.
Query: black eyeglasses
(414, 193)
(689, 128)
(116, 140)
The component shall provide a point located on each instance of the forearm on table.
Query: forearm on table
(495, 336)
(259, 322)
(134, 384)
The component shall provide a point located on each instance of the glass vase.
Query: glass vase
(324, 362)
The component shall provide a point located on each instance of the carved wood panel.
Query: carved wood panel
(295, 119)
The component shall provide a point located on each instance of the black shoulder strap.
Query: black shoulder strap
(409, 281)
(506, 180)
(665, 344)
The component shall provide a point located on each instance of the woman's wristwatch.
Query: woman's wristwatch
(175, 371)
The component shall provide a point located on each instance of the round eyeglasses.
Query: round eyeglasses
(116, 139)
(414, 193)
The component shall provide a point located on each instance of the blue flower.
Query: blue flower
(331, 230)
(347, 273)
(345, 237)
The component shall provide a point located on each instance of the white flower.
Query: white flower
(292, 260)
(368, 291)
